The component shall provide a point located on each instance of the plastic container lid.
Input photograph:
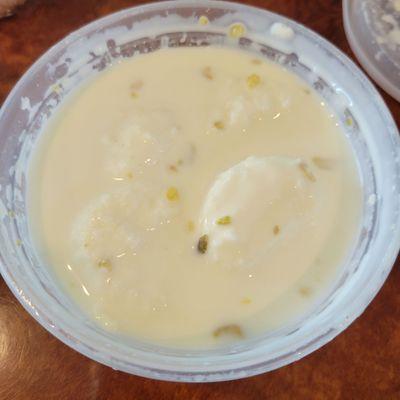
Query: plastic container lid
(373, 31)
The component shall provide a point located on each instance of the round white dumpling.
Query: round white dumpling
(119, 222)
(255, 204)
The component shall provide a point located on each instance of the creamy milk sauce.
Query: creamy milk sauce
(191, 197)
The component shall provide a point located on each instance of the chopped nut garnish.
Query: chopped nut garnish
(306, 171)
(226, 220)
(190, 226)
(57, 88)
(246, 300)
(219, 124)
(202, 244)
(256, 61)
(207, 73)
(323, 163)
(175, 167)
(203, 20)
(135, 87)
(172, 194)
(104, 264)
(276, 230)
(237, 30)
(253, 80)
(305, 291)
(233, 330)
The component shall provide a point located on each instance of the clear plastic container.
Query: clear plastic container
(371, 27)
(371, 132)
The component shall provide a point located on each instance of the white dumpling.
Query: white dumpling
(265, 199)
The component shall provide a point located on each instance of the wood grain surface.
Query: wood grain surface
(361, 363)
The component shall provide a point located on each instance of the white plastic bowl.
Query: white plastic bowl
(372, 134)
(367, 34)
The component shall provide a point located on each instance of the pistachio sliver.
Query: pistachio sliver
(202, 244)
(203, 20)
(190, 226)
(172, 194)
(226, 220)
(305, 291)
(253, 80)
(237, 30)
(207, 73)
(231, 329)
(323, 163)
(104, 263)
(304, 168)
(219, 125)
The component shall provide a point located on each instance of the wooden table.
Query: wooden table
(362, 363)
